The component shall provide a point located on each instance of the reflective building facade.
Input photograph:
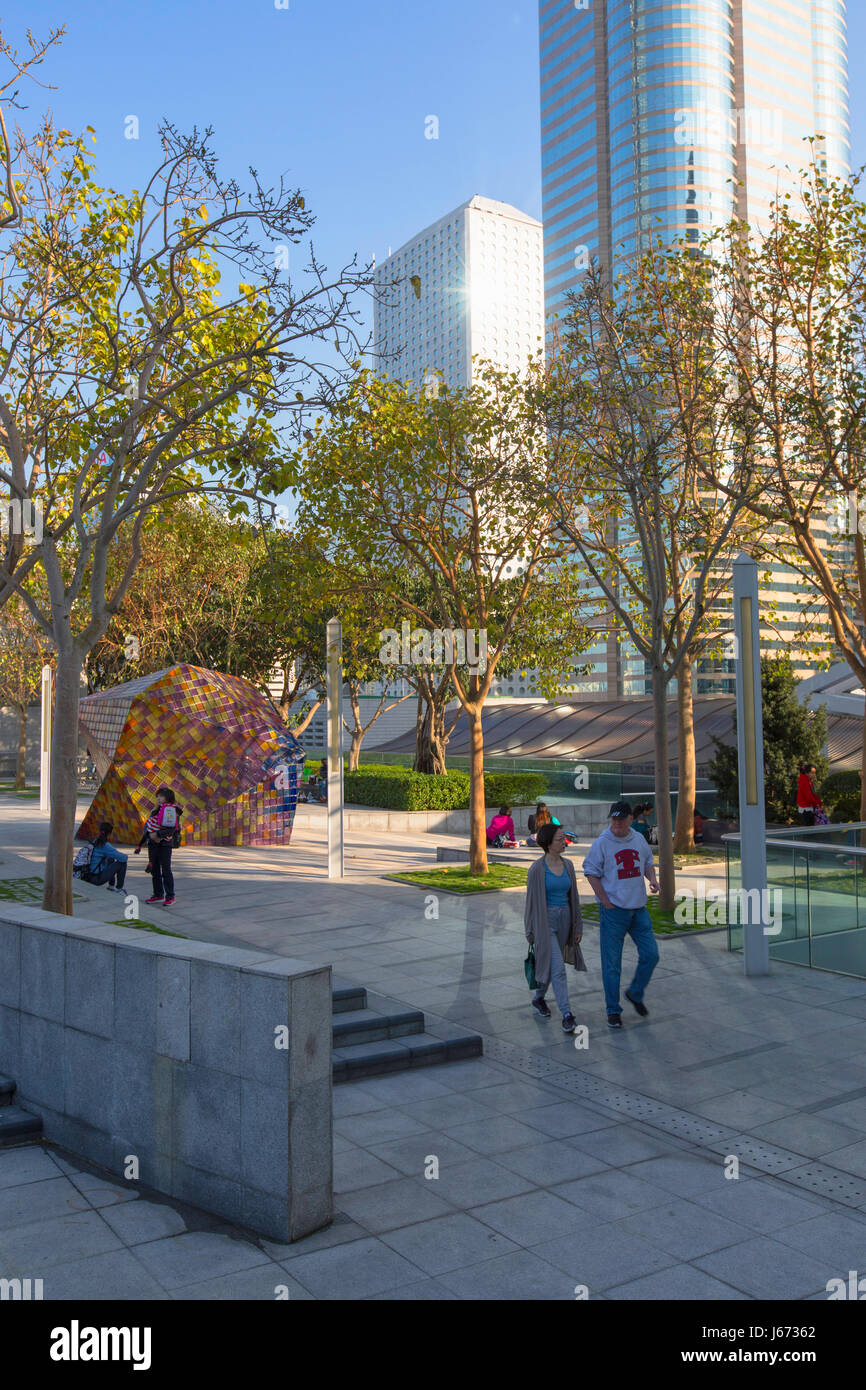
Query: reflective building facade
(672, 117)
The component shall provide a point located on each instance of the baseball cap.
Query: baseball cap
(619, 809)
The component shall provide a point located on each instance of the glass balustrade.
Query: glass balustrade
(817, 880)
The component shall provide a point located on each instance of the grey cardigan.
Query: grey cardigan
(535, 921)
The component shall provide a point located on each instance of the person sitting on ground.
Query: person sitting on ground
(542, 817)
(500, 831)
(107, 865)
(641, 821)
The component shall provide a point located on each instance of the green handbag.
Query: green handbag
(529, 969)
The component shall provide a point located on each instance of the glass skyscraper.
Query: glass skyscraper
(671, 117)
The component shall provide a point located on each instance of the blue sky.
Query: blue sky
(334, 93)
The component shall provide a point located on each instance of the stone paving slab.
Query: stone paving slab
(540, 1186)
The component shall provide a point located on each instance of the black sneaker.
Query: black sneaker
(541, 1008)
(569, 1023)
(637, 1005)
(614, 1021)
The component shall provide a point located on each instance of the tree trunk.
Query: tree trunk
(684, 831)
(419, 733)
(667, 880)
(57, 896)
(477, 822)
(430, 738)
(21, 768)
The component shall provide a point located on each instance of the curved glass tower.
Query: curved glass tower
(670, 116)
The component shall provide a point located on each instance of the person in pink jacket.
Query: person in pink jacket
(500, 831)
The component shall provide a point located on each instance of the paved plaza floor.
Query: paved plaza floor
(534, 1172)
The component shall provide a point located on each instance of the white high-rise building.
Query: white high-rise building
(470, 286)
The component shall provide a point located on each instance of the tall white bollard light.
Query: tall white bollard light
(750, 756)
(334, 690)
(45, 740)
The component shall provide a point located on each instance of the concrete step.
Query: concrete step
(402, 1054)
(7, 1090)
(375, 1025)
(18, 1126)
(374, 1035)
(347, 998)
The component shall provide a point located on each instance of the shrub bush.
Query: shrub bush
(845, 807)
(838, 783)
(515, 788)
(840, 793)
(400, 789)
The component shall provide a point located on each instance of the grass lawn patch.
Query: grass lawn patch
(458, 879)
(663, 922)
(25, 890)
(147, 926)
(8, 789)
(700, 854)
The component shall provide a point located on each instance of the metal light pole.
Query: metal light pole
(750, 755)
(45, 740)
(334, 690)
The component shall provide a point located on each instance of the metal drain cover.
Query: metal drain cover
(786, 1166)
(766, 1157)
(830, 1182)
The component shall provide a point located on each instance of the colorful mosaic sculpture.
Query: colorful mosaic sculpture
(213, 738)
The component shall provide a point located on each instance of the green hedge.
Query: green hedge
(840, 793)
(515, 788)
(838, 783)
(400, 789)
(845, 808)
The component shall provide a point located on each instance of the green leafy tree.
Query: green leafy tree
(133, 372)
(24, 650)
(641, 411)
(441, 483)
(793, 336)
(792, 735)
(193, 599)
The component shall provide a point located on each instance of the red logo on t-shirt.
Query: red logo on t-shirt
(628, 861)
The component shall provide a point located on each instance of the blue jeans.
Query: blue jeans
(616, 924)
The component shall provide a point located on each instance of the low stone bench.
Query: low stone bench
(524, 854)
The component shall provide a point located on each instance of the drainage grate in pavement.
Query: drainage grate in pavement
(497, 1051)
(766, 1157)
(694, 1127)
(830, 1182)
(784, 1165)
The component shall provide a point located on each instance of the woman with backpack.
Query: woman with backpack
(162, 835)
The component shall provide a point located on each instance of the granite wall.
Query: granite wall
(210, 1066)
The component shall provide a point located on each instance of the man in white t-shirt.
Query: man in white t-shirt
(615, 867)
